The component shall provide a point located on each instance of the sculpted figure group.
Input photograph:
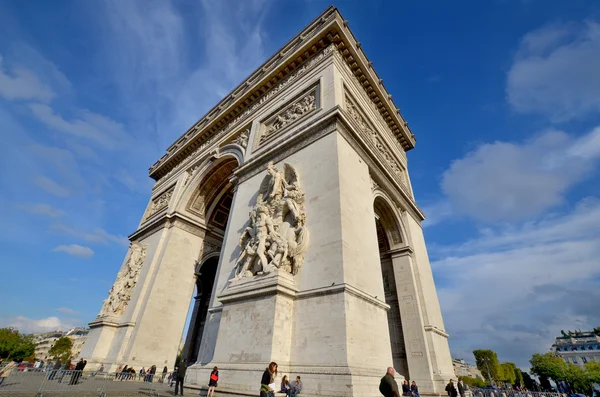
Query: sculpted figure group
(276, 237)
(120, 293)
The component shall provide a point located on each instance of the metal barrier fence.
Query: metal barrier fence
(512, 393)
(52, 383)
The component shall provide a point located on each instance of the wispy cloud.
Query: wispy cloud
(66, 311)
(22, 84)
(75, 250)
(88, 125)
(555, 72)
(96, 236)
(41, 209)
(50, 186)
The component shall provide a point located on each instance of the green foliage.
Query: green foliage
(507, 373)
(25, 349)
(518, 377)
(15, 345)
(473, 382)
(487, 359)
(592, 369)
(578, 379)
(62, 349)
(549, 366)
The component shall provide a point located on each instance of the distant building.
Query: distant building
(45, 341)
(462, 368)
(578, 347)
(78, 336)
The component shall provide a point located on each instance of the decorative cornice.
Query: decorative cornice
(434, 329)
(343, 288)
(328, 28)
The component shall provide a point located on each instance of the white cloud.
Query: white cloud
(67, 311)
(555, 72)
(88, 125)
(75, 250)
(42, 209)
(33, 326)
(23, 84)
(513, 289)
(505, 181)
(98, 235)
(50, 186)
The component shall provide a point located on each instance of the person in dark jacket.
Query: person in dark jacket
(461, 388)
(267, 378)
(451, 390)
(414, 389)
(388, 386)
(180, 376)
(405, 388)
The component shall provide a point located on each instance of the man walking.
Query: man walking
(451, 390)
(180, 376)
(461, 388)
(388, 386)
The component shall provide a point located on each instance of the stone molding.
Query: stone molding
(167, 221)
(343, 288)
(326, 29)
(280, 283)
(262, 98)
(399, 252)
(365, 127)
(436, 330)
(301, 369)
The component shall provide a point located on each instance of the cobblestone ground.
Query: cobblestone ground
(37, 384)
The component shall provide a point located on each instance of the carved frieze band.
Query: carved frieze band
(371, 134)
(251, 109)
(298, 109)
(160, 203)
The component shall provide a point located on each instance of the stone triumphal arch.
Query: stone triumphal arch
(286, 215)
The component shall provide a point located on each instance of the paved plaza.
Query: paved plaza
(34, 384)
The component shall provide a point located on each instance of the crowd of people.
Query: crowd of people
(125, 373)
(389, 388)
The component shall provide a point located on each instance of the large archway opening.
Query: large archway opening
(210, 203)
(388, 237)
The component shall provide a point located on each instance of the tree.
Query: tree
(548, 365)
(14, 345)
(578, 379)
(487, 363)
(9, 339)
(592, 369)
(62, 349)
(518, 377)
(474, 382)
(507, 373)
(24, 349)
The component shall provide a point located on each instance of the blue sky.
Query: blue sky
(503, 96)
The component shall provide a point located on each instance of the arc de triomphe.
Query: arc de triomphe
(287, 214)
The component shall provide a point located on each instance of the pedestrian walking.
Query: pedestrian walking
(180, 377)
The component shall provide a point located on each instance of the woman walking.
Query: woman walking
(267, 379)
(212, 382)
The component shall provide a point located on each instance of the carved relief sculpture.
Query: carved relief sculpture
(160, 203)
(277, 237)
(242, 139)
(120, 293)
(290, 114)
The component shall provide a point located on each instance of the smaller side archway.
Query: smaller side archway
(390, 236)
